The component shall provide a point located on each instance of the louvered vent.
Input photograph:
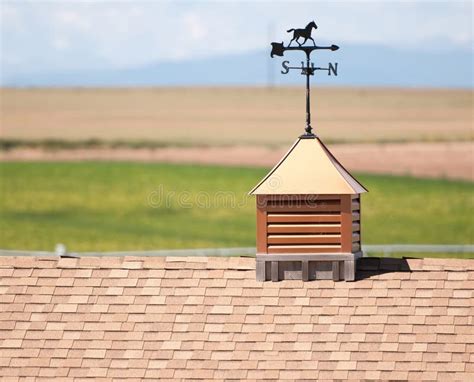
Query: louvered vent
(292, 224)
(356, 223)
(304, 226)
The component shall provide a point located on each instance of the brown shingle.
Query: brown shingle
(205, 318)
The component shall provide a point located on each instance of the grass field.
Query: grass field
(126, 206)
(223, 116)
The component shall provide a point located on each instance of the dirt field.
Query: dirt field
(438, 160)
(424, 132)
(244, 116)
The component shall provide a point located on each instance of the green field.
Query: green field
(93, 206)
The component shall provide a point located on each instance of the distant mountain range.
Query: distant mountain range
(359, 65)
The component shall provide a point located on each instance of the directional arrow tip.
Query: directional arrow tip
(334, 47)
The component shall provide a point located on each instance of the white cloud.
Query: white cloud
(61, 43)
(10, 19)
(72, 20)
(196, 29)
(120, 34)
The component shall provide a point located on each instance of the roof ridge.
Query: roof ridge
(209, 263)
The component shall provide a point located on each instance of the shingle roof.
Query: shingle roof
(129, 319)
(308, 168)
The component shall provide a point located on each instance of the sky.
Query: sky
(41, 36)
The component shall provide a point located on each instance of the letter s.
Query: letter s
(285, 66)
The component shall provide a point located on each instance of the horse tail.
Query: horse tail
(290, 30)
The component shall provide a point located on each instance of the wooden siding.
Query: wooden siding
(308, 223)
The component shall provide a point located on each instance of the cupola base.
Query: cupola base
(307, 266)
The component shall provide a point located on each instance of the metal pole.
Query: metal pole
(308, 96)
(278, 49)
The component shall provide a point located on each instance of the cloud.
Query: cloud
(61, 43)
(74, 35)
(72, 20)
(197, 30)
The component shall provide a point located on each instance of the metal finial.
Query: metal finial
(278, 49)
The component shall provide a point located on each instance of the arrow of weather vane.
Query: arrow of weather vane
(308, 69)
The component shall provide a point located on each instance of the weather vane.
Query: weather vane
(278, 49)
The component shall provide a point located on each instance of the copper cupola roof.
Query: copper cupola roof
(308, 168)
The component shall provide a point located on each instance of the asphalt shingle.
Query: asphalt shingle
(106, 319)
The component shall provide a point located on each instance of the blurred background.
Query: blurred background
(106, 104)
(120, 43)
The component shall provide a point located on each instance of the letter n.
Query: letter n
(333, 69)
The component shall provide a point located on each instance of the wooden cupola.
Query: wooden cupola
(308, 216)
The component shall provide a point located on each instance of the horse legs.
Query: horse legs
(312, 41)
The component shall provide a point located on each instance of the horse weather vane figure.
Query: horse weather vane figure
(278, 49)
